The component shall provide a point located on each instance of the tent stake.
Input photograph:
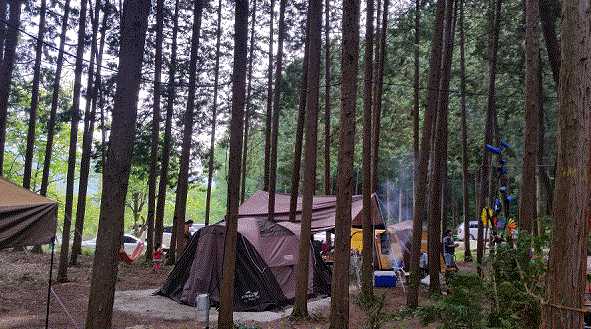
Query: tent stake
(49, 283)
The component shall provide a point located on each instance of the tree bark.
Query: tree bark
(377, 98)
(312, 107)
(6, 68)
(297, 154)
(3, 8)
(419, 216)
(416, 94)
(116, 175)
(269, 113)
(339, 303)
(166, 147)
(214, 116)
(180, 207)
(155, 230)
(543, 181)
(549, 11)
(327, 110)
(248, 113)
(495, 18)
(367, 257)
(567, 262)
(225, 319)
(62, 273)
(89, 120)
(439, 148)
(54, 101)
(465, 155)
(276, 109)
(527, 198)
(34, 98)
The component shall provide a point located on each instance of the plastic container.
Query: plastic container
(385, 279)
(202, 306)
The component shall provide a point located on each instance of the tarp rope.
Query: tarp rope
(59, 300)
(50, 290)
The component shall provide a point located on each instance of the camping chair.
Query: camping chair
(135, 254)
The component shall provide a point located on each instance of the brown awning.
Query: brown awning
(26, 218)
(323, 210)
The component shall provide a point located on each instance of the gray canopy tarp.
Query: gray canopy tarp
(26, 218)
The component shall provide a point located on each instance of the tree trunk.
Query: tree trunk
(297, 154)
(419, 213)
(269, 114)
(89, 120)
(276, 108)
(567, 262)
(377, 98)
(465, 155)
(34, 97)
(527, 190)
(312, 107)
(327, 87)
(214, 116)
(3, 7)
(416, 95)
(180, 207)
(166, 147)
(154, 234)
(11, 41)
(225, 319)
(62, 273)
(54, 101)
(339, 303)
(543, 181)
(116, 175)
(439, 147)
(249, 110)
(367, 257)
(495, 18)
(549, 11)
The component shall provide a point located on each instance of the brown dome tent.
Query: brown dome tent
(267, 254)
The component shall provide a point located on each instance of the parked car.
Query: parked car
(130, 242)
(166, 236)
(473, 226)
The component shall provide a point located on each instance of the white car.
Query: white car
(130, 242)
(166, 237)
(473, 227)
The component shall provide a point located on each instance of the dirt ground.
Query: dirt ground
(23, 291)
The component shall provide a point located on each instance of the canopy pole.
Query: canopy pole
(49, 283)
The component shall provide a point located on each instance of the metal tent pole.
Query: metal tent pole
(49, 283)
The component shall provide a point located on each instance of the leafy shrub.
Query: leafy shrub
(507, 297)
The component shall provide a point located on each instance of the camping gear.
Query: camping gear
(135, 254)
(202, 306)
(258, 286)
(381, 246)
(385, 279)
(27, 219)
(267, 254)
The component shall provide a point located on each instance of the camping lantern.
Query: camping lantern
(202, 305)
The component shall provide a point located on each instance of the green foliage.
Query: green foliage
(374, 309)
(507, 297)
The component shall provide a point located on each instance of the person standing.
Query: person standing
(449, 248)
